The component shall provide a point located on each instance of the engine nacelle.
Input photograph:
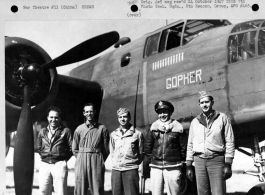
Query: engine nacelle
(20, 52)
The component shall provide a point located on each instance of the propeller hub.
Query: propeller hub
(31, 72)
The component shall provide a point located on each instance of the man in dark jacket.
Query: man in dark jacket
(54, 146)
(164, 148)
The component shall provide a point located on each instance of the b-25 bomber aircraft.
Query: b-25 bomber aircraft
(172, 63)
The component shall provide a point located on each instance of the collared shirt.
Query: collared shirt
(126, 149)
(51, 133)
(123, 131)
(89, 125)
(208, 118)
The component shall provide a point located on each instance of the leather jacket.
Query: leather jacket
(56, 150)
(164, 144)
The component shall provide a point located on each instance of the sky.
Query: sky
(57, 37)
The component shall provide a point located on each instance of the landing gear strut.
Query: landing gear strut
(258, 155)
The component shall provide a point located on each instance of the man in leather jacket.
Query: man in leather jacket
(166, 150)
(54, 144)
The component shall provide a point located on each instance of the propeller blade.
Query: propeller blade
(84, 50)
(24, 149)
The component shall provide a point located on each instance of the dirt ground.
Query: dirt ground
(239, 184)
(10, 190)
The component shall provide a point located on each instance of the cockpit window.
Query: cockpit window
(151, 46)
(171, 38)
(174, 37)
(247, 44)
(246, 26)
(241, 46)
(194, 28)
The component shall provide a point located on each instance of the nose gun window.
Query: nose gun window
(241, 46)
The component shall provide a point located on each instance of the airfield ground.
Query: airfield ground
(239, 184)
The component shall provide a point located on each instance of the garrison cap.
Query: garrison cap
(164, 105)
(123, 111)
(203, 94)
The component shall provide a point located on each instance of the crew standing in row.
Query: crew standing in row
(210, 146)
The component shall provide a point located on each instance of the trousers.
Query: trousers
(171, 177)
(125, 182)
(53, 175)
(209, 175)
(89, 173)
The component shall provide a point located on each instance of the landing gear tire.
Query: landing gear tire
(257, 189)
(187, 187)
(184, 185)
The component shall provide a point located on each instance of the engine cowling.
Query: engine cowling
(20, 52)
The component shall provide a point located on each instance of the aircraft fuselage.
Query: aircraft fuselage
(177, 75)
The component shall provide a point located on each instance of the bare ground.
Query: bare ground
(239, 184)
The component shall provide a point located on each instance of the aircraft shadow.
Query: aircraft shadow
(13, 187)
(70, 191)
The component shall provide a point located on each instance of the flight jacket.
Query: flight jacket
(164, 145)
(127, 150)
(56, 150)
(212, 139)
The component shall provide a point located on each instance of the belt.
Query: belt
(50, 161)
(89, 150)
(200, 155)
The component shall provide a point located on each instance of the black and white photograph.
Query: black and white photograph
(134, 106)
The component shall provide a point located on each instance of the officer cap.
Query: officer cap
(203, 94)
(164, 105)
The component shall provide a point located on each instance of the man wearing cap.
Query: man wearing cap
(91, 149)
(126, 151)
(166, 150)
(211, 147)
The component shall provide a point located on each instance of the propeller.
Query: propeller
(84, 50)
(24, 149)
(24, 143)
